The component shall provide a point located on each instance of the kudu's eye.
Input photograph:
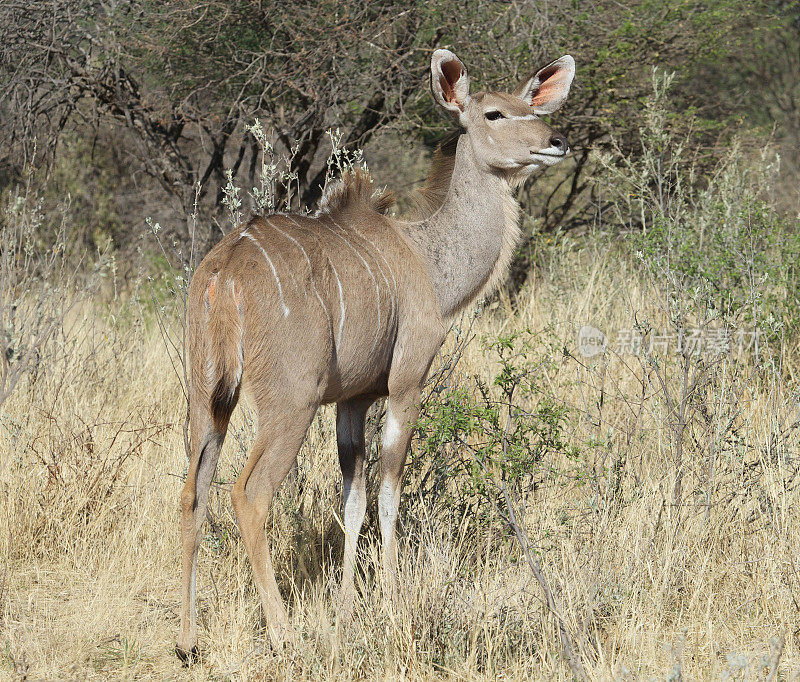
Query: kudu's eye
(493, 115)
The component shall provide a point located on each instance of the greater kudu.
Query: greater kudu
(347, 306)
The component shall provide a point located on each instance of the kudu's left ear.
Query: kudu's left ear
(547, 89)
(449, 82)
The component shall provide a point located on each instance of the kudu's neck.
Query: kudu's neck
(468, 242)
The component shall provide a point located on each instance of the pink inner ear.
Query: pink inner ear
(447, 92)
(451, 72)
(552, 87)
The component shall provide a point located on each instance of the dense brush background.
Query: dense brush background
(656, 493)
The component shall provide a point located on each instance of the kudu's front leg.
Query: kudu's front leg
(350, 417)
(402, 411)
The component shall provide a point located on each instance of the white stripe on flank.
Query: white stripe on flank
(308, 260)
(371, 276)
(338, 283)
(392, 294)
(274, 272)
(280, 260)
(341, 307)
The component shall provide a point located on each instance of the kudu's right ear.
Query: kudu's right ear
(449, 82)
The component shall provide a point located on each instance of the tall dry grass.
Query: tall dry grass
(91, 471)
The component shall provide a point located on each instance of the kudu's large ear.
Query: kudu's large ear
(449, 82)
(547, 89)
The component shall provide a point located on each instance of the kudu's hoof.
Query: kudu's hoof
(187, 657)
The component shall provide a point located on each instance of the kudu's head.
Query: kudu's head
(504, 129)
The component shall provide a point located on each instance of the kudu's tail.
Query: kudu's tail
(225, 331)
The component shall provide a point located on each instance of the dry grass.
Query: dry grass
(91, 470)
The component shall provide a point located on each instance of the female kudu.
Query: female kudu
(347, 306)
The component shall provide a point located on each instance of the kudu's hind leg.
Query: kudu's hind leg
(280, 435)
(205, 443)
(350, 418)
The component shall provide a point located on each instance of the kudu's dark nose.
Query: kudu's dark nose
(559, 142)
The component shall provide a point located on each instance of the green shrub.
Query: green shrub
(508, 426)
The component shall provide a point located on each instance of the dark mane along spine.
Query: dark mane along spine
(430, 197)
(355, 189)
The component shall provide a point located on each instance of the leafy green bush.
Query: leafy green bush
(506, 428)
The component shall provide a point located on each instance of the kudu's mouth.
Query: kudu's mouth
(549, 157)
